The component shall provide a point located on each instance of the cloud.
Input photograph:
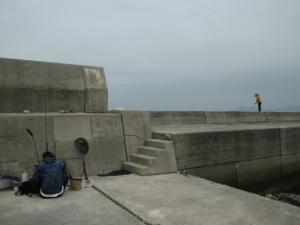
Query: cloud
(223, 50)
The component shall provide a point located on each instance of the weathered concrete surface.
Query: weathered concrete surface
(290, 141)
(184, 128)
(159, 118)
(290, 165)
(96, 93)
(136, 127)
(223, 174)
(259, 171)
(235, 117)
(240, 155)
(216, 148)
(176, 118)
(155, 157)
(24, 85)
(75, 208)
(176, 200)
(103, 131)
(283, 116)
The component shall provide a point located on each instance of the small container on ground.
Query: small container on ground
(75, 184)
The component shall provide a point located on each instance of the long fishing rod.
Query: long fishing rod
(32, 137)
(46, 124)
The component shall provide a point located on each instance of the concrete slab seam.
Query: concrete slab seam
(205, 119)
(84, 92)
(124, 136)
(234, 162)
(122, 206)
(267, 117)
(280, 148)
(133, 135)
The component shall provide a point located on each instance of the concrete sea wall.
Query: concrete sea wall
(243, 157)
(25, 84)
(103, 131)
(159, 118)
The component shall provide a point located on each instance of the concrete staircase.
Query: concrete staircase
(154, 157)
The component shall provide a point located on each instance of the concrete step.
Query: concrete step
(157, 143)
(151, 151)
(143, 159)
(136, 168)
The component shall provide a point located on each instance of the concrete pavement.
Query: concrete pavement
(169, 199)
(84, 207)
(174, 199)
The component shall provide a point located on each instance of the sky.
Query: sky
(167, 54)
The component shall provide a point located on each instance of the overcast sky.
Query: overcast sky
(167, 54)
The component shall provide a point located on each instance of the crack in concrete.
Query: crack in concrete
(133, 135)
(122, 206)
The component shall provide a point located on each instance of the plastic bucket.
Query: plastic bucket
(75, 184)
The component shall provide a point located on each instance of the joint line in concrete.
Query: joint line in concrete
(124, 135)
(267, 117)
(205, 119)
(133, 135)
(122, 206)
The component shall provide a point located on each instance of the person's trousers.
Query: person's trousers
(259, 107)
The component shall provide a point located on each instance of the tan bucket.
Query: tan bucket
(75, 184)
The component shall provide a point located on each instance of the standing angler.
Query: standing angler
(258, 101)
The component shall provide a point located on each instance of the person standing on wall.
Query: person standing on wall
(258, 101)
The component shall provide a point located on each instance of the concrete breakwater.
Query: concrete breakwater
(248, 150)
(233, 149)
(240, 149)
(237, 154)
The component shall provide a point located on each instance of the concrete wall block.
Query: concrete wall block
(24, 84)
(216, 148)
(107, 150)
(167, 161)
(66, 77)
(75, 167)
(132, 144)
(235, 117)
(13, 73)
(283, 116)
(34, 74)
(68, 128)
(258, 171)
(176, 118)
(290, 165)
(66, 150)
(96, 100)
(135, 132)
(10, 168)
(93, 167)
(106, 126)
(141, 126)
(163, 136)
(96, 94)
(224, 174)
(290, 140)
(103, 131)
(16, 144)
(68, 100)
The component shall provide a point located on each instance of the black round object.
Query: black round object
(82, 145)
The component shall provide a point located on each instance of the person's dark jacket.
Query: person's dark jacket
(50, 175)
